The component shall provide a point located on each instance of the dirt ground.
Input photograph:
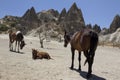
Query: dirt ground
(21, 66)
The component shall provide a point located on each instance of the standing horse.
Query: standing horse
(18, 37)
(85, 40)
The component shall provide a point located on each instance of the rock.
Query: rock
(74, 20)
(111, 38)
(89, 26)
(62, 15)
(47, 16)
(97, 28)
(104, 31)
(29, 21)
(30, 15)
(115, 24)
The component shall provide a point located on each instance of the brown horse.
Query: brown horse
(40, 55)
(18, 37)
(85, 40)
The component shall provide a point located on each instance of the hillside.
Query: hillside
(111, 39)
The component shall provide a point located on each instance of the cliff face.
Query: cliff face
(30, 15)
(62, 15)
(47, 16)
(71, 21)
(74, 14)
(28, 21)
(97, 28)
(113, 38)
(74, 19)
(115, 24)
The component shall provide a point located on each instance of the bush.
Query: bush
(3, 27)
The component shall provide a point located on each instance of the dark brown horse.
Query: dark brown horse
(85, 40)
(18, 37)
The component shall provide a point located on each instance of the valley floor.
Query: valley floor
(21, 66)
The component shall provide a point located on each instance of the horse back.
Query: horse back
(81, 40)
(19, 37)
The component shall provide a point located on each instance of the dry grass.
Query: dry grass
(113, 44)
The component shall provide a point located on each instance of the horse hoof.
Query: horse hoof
(71, 68)
(79, 69)
(88, 76)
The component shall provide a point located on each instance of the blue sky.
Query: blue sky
(99, 12)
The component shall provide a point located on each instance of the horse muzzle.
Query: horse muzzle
(21, 47)
(65, 45)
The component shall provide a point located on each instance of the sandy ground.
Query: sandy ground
(21, 66)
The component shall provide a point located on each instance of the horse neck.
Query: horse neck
(76, 38)
(74, 35)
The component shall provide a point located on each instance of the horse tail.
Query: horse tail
(85, 62)
(94, 41)
(93, 44)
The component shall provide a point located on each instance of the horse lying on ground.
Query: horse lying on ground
(40, 55)
(18, 37)
(85, 40)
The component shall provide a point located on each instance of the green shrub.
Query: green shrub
(3, 27)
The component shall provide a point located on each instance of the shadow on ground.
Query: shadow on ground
(18, 52)
(93, 77)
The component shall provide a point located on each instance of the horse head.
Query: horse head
(34, 53)
(66, 39)
(22, 44)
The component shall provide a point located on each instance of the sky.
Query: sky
(99, 12)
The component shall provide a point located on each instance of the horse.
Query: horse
(18, 37)
(85, 40)
(40, 55)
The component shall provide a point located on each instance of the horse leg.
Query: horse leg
(79, 59)
(10, 46)
(18, 45)
(15, 45)
(90, 62)
(72, 50)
